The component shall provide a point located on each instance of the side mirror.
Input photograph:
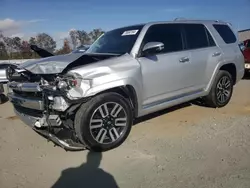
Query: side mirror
(152, 47)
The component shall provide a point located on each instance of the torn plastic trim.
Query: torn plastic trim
(74, 146)
(69, 143)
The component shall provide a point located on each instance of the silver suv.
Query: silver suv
(89, 100)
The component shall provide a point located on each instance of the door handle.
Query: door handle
(184, 59)
(216, 54)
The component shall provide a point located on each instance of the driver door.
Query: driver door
(164, 71)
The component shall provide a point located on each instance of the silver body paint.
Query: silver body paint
(158, 82)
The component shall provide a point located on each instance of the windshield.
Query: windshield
(118, 41)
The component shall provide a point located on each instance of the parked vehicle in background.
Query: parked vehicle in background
(127, 73)
(246, 53)
(3, 78)
(3, 67)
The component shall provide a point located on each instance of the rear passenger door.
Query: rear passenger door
(204, 54)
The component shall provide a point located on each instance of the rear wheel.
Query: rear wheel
(104, 122)
(221, 91)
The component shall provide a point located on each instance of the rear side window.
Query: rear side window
(226, 33)
(169, 34)
(197, 36)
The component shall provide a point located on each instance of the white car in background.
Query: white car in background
(3, 78)
(3, 67)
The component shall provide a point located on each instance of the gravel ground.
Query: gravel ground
(184, 147)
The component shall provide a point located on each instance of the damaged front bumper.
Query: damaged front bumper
(62, 138)
(45, 112)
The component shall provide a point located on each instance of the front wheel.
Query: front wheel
(221, 91)
(104, 122)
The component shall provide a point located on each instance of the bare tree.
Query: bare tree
(65, 49)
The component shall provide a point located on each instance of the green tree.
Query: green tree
(25, 50)
(16, 42)
(3, 51)
(95, 34)
(32, 41)
(46, 42)
(16, 46)
(84, 38)
(9, 45)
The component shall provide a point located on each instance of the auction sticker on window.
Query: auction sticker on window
(131, 32)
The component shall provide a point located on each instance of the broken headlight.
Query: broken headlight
(74, 85)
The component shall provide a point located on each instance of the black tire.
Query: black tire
(211, 99)
(86, 112)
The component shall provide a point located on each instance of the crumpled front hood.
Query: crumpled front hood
(50, 65)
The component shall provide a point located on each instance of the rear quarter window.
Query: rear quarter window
(226, 33)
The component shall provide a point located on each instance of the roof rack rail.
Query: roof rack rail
(176, 19)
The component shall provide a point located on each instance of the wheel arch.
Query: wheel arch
(129, 90)
(230, 67)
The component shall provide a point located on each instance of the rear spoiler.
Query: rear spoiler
(40, 51)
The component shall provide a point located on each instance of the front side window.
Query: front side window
(169, 34)
(196, 36)
(118, 41)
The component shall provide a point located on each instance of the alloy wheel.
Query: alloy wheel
(108, 122)
(223, 89)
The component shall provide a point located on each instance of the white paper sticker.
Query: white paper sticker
(131, 32)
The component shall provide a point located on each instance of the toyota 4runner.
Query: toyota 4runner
(89, 100)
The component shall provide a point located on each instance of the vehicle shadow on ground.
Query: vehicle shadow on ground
(88, 175)
(246, 77)
(3, 99)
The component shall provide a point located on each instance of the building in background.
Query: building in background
(244, 34)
